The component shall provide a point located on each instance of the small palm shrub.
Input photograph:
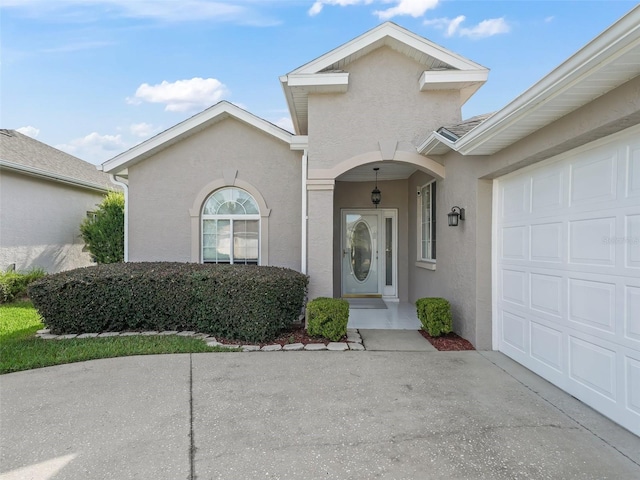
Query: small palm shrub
(435, 315)
(328, 318)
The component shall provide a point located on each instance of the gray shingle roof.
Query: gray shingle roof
(24, 151)
(454, 132)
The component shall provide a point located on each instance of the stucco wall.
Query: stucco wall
(164, 187)
(40, 223)
(463, 272)
(358, 195)
(383, 102)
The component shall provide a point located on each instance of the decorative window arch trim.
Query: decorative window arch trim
(196, 210)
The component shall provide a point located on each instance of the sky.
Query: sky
(96, 77)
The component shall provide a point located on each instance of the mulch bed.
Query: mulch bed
(449, 342)
(297, 334)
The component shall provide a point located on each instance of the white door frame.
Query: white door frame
(386, 291)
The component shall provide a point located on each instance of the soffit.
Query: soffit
(388, 171)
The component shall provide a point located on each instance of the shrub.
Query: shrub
(435, 315)
(14, 284)
(328, 318)
(104, 232)
(247, 303)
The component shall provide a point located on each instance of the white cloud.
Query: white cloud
(181, 95)
(414, 8)
(486, 28)
(284, 122)
(29, 131)
(243, 12)
(143, 129)
(316, 8)
(94, 147)
(549, 19)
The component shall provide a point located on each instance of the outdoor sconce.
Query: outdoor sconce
(454, 216)
(376, 196)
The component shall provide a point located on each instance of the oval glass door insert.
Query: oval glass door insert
(361, 251)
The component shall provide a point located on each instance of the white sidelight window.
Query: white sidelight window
(427, 209)
(231, 228)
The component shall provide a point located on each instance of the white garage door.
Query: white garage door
(567, 265)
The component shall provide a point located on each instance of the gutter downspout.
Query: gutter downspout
(125, 188)
(305, 217)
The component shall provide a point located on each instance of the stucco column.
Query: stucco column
(320, 238)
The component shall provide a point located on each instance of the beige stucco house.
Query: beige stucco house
(44, 196)
(544, 265)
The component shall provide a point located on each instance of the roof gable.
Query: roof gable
(26, 155)
(216, 113)
(443, 69)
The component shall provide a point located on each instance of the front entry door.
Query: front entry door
(369, 253)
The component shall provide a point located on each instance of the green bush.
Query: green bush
(104, 232)
(328, 318)
(247, 303)
(14, 284)
(435, 315)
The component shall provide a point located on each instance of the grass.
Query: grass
(21, 350)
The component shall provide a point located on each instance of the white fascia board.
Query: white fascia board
(331, 82)
(433, 141)
(184, 129)
(596, 55)
(452, 79)
(290, 104)
(37, 172)
(300, 142)
(392, 30)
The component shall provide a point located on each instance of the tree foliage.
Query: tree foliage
(103, 232)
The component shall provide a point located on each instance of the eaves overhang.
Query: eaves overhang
(467, 81)
(605, 63)
(44, 174)
(119, 164)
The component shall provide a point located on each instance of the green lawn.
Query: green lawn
(21, 350)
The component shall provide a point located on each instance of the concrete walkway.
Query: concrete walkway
(347, 415)
(395, 341)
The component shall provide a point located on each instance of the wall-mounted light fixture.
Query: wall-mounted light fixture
(454, 216)
(376, 196)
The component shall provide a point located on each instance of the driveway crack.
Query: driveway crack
(192, 446)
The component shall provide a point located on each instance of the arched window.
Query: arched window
(231, 228)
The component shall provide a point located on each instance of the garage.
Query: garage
(566, 266)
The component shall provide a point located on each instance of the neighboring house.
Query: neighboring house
(44, 196)
(545, 266)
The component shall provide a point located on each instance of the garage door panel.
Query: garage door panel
(514, 331)
(632, 386)
(546, 346)
(631, 241)
(547, 293)
(568, 264)
(594, 178)
(547, 240)
(633, 169)
(588, 243)
(632, 313)
(593, 366)
(592, 304)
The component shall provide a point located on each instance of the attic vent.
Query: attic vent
(6, 133)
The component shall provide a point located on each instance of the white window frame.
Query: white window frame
(231, 219)
(429, 260)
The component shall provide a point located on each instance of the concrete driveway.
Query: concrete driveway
(329, 415)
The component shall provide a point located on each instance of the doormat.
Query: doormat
(366, 303)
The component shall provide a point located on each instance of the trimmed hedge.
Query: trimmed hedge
(328, 318)
(248, 303)
(14, 284)
(435, 315)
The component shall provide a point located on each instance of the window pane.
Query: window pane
(433, 221)
(215, 241)
(388, 249)
(245, 241)
(231, 201)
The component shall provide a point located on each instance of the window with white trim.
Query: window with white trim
(427, 209)
(231, 228)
